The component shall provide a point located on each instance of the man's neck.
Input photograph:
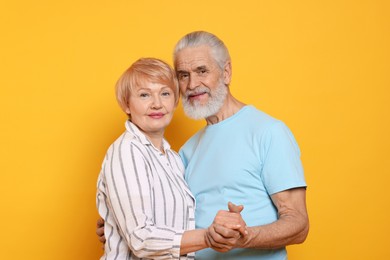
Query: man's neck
(228, 109)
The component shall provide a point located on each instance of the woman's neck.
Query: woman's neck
(157, 140)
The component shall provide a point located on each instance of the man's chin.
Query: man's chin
(195, 112)
(193, 115)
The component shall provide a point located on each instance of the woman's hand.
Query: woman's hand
(227, 229)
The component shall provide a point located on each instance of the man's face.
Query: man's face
(201, 81)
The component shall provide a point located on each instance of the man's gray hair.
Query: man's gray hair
(198, 38)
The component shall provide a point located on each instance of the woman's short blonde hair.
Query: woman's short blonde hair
(145, 70)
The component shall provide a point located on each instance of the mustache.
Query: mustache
(197, 91)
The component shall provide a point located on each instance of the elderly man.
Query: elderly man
(242, 155)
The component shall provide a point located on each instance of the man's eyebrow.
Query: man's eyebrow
(181, 71)
(203, 67)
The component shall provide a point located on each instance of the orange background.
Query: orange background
(320, 66)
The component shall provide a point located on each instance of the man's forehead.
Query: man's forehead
(193, 57)
(193, 63)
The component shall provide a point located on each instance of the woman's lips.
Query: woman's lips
(156, 115)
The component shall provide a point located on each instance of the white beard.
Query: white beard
(216, 99)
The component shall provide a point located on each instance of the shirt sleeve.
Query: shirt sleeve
(129, 187)
(282, 167)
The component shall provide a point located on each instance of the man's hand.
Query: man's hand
(235, 208)
(227, 229)
(220, 238)
(100, 231)
(225, 218)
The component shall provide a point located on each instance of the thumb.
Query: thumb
(234, 208)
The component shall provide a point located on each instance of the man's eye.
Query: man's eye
(183, 76)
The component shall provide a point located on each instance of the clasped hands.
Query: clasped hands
(228, 230)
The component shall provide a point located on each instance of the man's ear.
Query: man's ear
(227, 73)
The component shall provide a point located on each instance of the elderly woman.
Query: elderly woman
(142, 196)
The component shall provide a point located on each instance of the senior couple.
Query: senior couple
(156, 204)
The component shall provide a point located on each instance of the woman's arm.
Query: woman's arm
(133, 194)
(194, 240)
(222, 235)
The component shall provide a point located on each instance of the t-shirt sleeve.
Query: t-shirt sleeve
(183, 157)
(282, 167)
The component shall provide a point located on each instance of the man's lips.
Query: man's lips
(196, 95)
(156, 115)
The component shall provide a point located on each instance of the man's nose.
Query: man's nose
(193, 82)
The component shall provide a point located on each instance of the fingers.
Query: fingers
(226, 234)
(237, 209)
(241, 228)
(231, 220)
(234, 208)
(221, 238)
(100, 223)
(100, 231)
(102, 239)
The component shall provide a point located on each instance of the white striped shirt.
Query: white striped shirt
(144, 200)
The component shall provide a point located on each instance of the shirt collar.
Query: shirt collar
(132, 128)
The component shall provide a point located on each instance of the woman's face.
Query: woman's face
(151, 107)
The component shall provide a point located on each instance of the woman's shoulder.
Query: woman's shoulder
(126, 142)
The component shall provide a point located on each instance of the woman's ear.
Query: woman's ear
(127, 111)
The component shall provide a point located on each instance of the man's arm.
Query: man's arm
(291, 227)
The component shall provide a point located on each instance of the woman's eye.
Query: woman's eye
(144, 95)
(166, 93)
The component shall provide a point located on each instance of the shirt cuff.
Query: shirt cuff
(176, 244)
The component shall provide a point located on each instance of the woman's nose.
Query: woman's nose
(156, 103)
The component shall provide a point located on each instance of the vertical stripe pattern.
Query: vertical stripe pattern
(144, 200)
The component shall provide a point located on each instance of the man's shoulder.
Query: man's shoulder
(254, 117)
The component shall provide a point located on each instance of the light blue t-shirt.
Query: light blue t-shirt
(243, 159)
